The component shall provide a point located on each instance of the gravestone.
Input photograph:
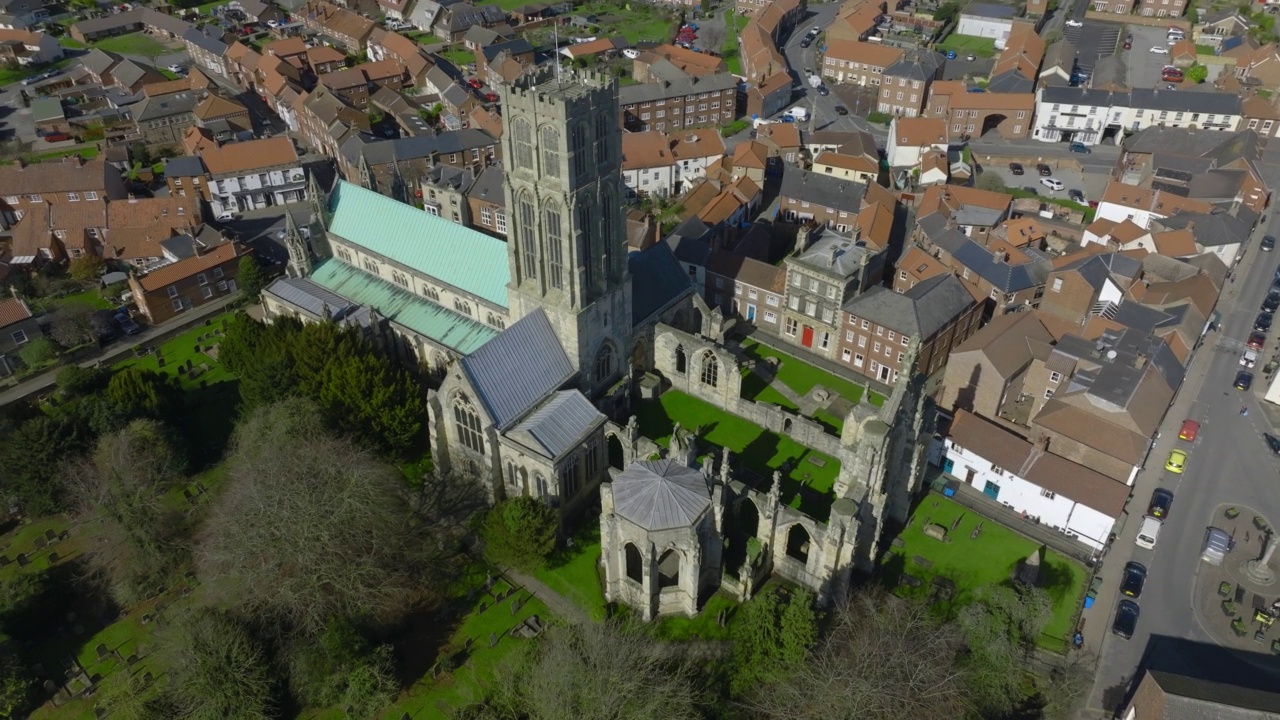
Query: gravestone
(4, 560)
(102, 650)
(493, 639)
(515, 606)
(39, 543)
(937, 532)
(22, 560)
(53, 558)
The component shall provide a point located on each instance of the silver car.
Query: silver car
(1217, 543)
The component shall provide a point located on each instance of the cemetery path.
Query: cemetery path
(560, 605)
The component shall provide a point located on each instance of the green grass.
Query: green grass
(1263, 93)
(177, 351)
(982, 47)
(635, 22)
(805, 486)
(131, 44)
(702, 626)
(575, 576)
(458, 55)
(988, 560)
(72, 43)
(90, 298)
(433, 697)
(801, 377)
(507, 5)
(1205, 50)
(729, 50)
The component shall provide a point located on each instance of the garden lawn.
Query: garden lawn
(92, 298)
(636, 22)
(506, 5)
(988, 560)
(132, 44)
(177, 351)
(805, 486)
(801, 377)
(702, 626)
(435, 697)
(982, 47)
(575, 575)
(458, 55)
(729, 50)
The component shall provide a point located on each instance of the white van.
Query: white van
(1149, 532)
(797, 113)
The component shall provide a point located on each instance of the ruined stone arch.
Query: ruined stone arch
(617, 452)
(799, 542)
(633, 561)
(682, 361)
(670, 564)
(606, 362)
(709, 368)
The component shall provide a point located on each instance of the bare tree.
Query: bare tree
(133, 540)
(312, 526)
(593, 671)
(73, 325)
(884, 659)
(216, 668)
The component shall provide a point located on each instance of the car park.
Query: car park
(1126, 622)
(1268, 243)
(1044, 170)
(1074, 23)
(1148, 532)
(1052, 183)
(1256, 340)
(1135, 577)
(1190, 430)
(1016, 168)
(1217, 543)
(1177, 462)
(1161, 502)
(1249, 358)
(1244, 380)
(1273, 443)
(1262, 323)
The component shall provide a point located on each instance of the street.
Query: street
(1228, 465)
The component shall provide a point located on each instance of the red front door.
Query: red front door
(807, 338)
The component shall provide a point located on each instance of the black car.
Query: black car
(1016, 168)
(1262, 323)
(1273, 442)
(1044, 170)
(822, 90)
(806, 43)
(1268, 243)
(127, 324)
(1135, 576)
(1161, 501)
(1244, 380)
(1075, 196)
(1126, 622)
(1272, 302)
(842, 110)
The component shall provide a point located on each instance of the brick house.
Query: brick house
(746, 288)
(825, 271)
(350, 29)
(707, 101)
(905, 84)
(1162, 8)
(171, 290)
(28, 48)
(47, 214)
(858, 63)
(971, 114)
(17, 328)
(881, 324)
(486, 202)
(992, 363)
(354, 85)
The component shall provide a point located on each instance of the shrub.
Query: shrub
(38, 352)
(74, 380)
(520, 532)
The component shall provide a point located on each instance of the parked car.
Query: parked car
(1190, 429)
(1080, 148)
(1148, 532)
(1177, 462)
(1016, 168)
(1052, 183)
(805, 43)
(822, 90)
(127, 324)
(175, 68)
(225, 216)
(1076, 195)
(1161, 501)
(475, 83)
(1159, 50)
(970, 57)
(1262, 323)
(1044, 170)
(1244, 380)
(1074, 23)
(1217, 543)
(842, 110)
(1126, 622)
(1135, 576)
(1128, 44)
(1249, 358)
(491, 97)
(1273, 443)
(1257, 340)
(1271, 302)
(951, 54)
(1268, 243)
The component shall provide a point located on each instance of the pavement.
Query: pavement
(1228, 465)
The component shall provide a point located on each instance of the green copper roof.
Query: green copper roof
(420, 315)
(468, 260)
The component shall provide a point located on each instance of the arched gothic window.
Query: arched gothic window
(602, 139)
(529, 236)
(580, 150)
(524, 142)
(550, 144)
(681, 361)
(604, 363)
(710, 369)
(467, 422)
(555, 254)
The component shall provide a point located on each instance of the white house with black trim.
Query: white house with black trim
(1077, 114)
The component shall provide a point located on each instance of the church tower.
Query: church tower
(567, 249)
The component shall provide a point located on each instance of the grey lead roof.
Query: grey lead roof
(824, 190)
(317, 300)
(1145, 99)
(919, 312)
(514, 371)
(557, 426)
(657, 280)
(201, 38)
(916, 64)
(1210, 230)
(1008, 278)
(185, 166)
(649, 92)
(661, 494)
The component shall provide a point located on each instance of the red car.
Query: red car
(1257, 340)
(1190, 429)
(491, 97)
(475, 83)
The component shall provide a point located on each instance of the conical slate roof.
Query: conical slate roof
(661, 494)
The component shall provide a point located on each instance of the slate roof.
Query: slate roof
(559, 424)
(201, 38)
(166, 106)
(442, 325)
(1008, 278)
(1146, 99)
(649, 92)
(517, 46)
(657, 280)
(488, 186)
(1192, 698)
(824, 190)
(919, 312)
(1210, 230)
(464, 258)
(916, 64)
(185, 166)
(517, 369)
(660, 494)
(317, 300)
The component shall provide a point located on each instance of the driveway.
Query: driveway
(1093, 42)
(1228, 464)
